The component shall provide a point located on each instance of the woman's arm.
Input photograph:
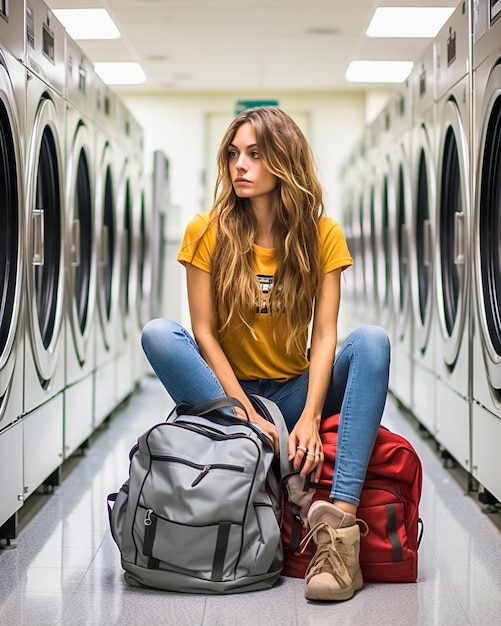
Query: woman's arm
(204, 331)
(322, 353)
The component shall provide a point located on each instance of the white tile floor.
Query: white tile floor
(66, 568)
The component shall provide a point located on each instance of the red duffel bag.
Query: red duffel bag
(389, 505)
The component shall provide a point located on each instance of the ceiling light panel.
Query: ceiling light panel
(378, 71)
(120, 73)
(87, 23)
(408, 22)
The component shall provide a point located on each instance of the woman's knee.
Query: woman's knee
(157, 332)
(373, 343)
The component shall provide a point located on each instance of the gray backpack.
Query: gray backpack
(200, 510)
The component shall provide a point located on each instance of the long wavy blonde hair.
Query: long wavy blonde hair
(299, 205)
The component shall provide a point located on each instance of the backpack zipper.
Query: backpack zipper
(212, 431)
(204, 469)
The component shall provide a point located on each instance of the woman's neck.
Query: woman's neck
(265, 218)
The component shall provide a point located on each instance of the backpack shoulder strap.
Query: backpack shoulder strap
(270, 411)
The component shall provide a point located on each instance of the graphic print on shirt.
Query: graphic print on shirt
(266, 283)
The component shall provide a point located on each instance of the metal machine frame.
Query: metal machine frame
(128, 227)
(486, 406)
(401, 373)
(422, 236)
(81, 252)
(107, 283)
(12, 120)
(452, 253)
(44, 239)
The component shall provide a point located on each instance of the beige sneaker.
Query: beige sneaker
(334, 571)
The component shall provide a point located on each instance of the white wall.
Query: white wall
(177, 124)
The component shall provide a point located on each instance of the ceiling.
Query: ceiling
(260, 46)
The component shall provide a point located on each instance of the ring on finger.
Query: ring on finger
(311, 454)
(302, 448)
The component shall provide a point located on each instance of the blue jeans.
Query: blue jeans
(358, 390)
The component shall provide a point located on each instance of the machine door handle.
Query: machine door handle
(405, 244)
(427, 244)
(37, 217)
(75, 243)
(125, 250)
(104, 249)
(459, 238)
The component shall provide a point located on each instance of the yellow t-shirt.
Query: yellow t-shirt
(262, 356)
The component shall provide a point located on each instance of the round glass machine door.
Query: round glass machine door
(489, 242)
(402, 248)
(109, 230)
(422, 240)
(80, 229)
(10, 249)
(107, 249)
(384, 276)
(45, 274)
(388, 244)
(452, 236)
(144, 268)
(361, 248)
(83, 235)
(126, 254)
(373, 243)
(424, 210)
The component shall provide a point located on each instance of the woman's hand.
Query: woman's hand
(305, 448)
(269, 429)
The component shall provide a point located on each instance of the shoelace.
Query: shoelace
(313, 532)
(327, 558)
(334, 555)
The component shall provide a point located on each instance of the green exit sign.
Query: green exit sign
(241, 105)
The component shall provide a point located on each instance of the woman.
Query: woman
(260, 266)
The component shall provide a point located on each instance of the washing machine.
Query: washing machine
(386, 226)
(347, 310)
(12, 122)
(422, 236)
(44, 240)
(127, 214)
(401, 372)
(144, 283)
(81, 252)
(452, 253)
(370, 218)
(108, 257)
(143, 255)
(12, 114)
(486, 406)
(383, 224)
(359, 231)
